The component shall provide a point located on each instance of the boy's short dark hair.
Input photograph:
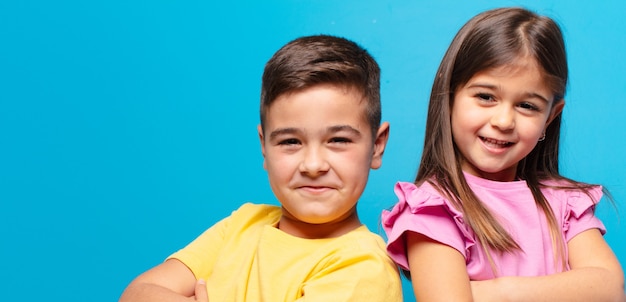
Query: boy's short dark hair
(322, 59)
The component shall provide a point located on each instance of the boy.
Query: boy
(320, 135)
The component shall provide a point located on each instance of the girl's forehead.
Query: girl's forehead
(522, 77)
(518, 65)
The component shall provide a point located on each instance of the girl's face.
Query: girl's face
(498, 117)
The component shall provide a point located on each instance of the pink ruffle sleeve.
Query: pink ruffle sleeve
(423, 210)
(580, 212)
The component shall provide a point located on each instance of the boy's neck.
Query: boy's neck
(306, 230)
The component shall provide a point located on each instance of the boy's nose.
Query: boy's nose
(314, 162)
(503, 118)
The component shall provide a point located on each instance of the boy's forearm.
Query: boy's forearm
(583, 284)
(169, 281)
(151, 293)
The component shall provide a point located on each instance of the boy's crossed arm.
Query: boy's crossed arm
(169, 281)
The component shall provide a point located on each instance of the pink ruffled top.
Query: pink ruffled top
(424, 210)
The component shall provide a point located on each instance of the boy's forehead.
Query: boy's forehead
(338, 87)
(344, 90)
(327, 102)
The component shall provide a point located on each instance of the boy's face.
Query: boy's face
(318, 151)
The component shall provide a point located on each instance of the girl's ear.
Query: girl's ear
(556, 110)
(379, 145)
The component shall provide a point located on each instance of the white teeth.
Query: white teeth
(495, 142)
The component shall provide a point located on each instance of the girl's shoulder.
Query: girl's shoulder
(425, 191)
(426, 210)
(576, 197)
(565, 188)
(418, 197)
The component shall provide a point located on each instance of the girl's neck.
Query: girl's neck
(506, 175)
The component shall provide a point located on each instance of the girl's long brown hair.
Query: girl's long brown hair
(491, 39)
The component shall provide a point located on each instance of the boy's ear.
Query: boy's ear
(260, 131)
(382, 136)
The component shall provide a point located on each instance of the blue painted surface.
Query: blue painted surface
(128, 127)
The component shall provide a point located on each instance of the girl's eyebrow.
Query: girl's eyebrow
(495, 87)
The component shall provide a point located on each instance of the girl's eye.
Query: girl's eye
(484, 97)
(529, 106)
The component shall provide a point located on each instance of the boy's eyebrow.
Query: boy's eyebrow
(332, 129)
(347, 128)
(282, 131)
(494, 87)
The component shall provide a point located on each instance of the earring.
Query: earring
(543, 137)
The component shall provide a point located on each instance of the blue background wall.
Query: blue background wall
(128, 127)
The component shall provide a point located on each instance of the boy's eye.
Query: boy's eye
(342, 140)
(289, 141)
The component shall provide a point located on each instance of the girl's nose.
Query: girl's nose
(503, 118)
(314, 162)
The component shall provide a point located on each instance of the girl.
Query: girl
(489, 217)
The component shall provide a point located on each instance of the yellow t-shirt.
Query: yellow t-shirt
(245, 257)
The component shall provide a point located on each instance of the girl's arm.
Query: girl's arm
(438, 271)
(169, 281)
(595, 275)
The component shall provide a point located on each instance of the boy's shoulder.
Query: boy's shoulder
(250, 207)
(250, 216)
(257, 210)
(358, 240)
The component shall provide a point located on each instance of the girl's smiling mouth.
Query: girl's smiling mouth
(494, 143)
